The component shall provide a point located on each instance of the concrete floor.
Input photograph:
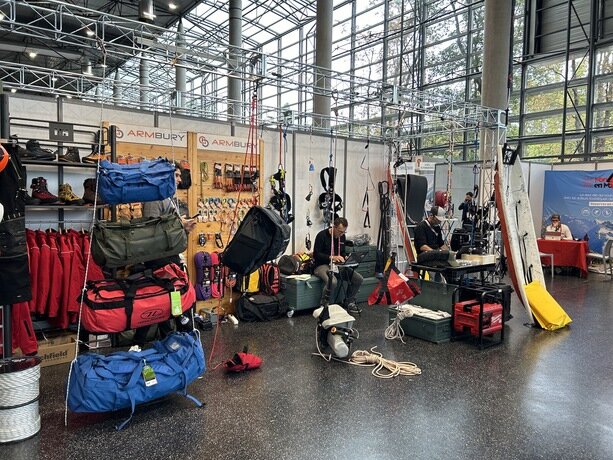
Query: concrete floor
(539, 395)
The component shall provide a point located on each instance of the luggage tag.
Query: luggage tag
(175, 303)
(149, 375)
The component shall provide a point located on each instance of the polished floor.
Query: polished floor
(539, 395)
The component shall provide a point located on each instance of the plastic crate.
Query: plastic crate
(366, 269)
(432, 330)
(366, 288)
(370, 250)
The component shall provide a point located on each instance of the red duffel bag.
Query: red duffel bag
(140, 300)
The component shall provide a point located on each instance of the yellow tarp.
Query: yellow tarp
(547, 311)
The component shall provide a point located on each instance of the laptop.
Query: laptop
(353, 260)
(553, 236)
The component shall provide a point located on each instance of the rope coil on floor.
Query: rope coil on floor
(17, 388)
(383, 368)
(19, 416)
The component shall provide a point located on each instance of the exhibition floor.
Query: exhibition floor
(539, 395)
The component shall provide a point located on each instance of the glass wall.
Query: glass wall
(561, 98)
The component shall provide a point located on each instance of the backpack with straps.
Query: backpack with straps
(250, 283)
(271, 279)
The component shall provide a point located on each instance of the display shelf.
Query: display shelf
(59, 163)
(68, 207)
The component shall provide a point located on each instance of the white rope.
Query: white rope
(95, 208)
(383, 368)
(19, 387)
(19, 423)
(19, 416)
(394, 330)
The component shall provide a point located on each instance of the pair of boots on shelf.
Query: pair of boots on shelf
(41, 194)
(34, 151)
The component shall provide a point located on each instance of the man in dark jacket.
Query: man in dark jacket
(428, 233)
(330, 247)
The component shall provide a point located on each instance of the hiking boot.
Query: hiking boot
(136, 210)
(40, 192)
(21, 152)
(94, 157)
(36, 152)
(68, 196)
(353, 309)
(28, 200)
(71, 155)
(89, 194)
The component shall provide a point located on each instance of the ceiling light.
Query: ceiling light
(104, 66)
(13, 90)
(53, 78)
(68, 96)
(32, 54)
(90, 33)
(172, 6)
(2, 16)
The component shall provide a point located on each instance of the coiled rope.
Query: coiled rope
(19, 416)
(383, 368)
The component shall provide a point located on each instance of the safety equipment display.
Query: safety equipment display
(142, 299)
(116, 244)
(150, 180)
(126, 379)
(261, 236)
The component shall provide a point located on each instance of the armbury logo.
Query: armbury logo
(223, 144)
(149, 134)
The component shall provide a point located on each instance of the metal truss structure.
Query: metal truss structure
(106, 38)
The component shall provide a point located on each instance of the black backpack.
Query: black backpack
(261, 236)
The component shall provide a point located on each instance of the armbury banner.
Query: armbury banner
(584, 200)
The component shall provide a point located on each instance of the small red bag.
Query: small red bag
(397, 290)
(242, 362)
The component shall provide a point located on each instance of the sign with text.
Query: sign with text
(222, 143)
(61, 132)
(584, 200)
(154, 136)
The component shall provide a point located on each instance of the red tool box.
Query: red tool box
(466, 317)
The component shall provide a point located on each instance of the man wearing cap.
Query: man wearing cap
(558, 227)
(428, 233)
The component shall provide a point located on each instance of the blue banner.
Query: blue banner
(584, 200)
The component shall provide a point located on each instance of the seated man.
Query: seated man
(428, 233)
(330, 246)
(557, 227)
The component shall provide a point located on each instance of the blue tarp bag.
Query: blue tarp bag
(123, 380)
(146, 181)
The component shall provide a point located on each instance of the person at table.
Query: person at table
(558, 227)
(428, 233)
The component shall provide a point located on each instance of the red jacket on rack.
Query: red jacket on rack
(34, 262)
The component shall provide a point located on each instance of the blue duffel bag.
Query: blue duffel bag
(124, 379)
(146, 181)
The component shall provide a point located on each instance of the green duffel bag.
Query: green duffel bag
(115, 244)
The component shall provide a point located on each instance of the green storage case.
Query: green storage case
(432, 330)
(370, 250)
(366, 288)
(300, 294)
(366, 269)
